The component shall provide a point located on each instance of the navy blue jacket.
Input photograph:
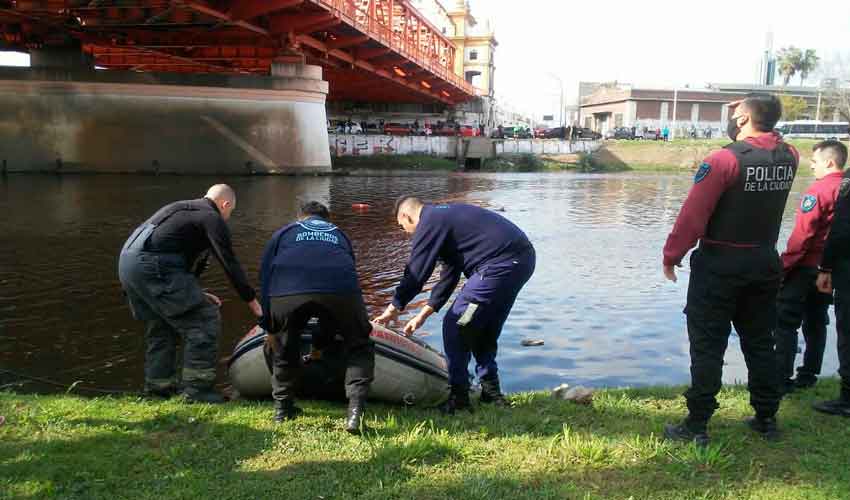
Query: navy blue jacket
(308, 256)
(464, 238)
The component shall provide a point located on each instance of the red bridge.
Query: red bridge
(371, 50)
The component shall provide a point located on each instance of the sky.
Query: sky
(645, 42)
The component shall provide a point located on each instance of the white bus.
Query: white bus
(811, 129)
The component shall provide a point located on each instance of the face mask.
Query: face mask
(732, 129)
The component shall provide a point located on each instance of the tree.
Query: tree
(808, 62)
(789, 61)
(793, 108)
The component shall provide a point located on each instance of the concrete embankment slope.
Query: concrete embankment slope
(675, 155)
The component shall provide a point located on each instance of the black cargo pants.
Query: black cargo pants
(732, 286)
(800, 303)
(338, 314)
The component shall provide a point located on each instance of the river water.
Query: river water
(597, 299)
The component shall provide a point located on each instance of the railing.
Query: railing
(434, 62)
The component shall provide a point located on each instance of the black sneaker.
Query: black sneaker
(286, 410)
(834, 407)
(805, 382)
(765, 426)
(683, 433)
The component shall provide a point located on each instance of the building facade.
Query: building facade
(623, 106)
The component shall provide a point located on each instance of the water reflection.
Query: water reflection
(597, 297)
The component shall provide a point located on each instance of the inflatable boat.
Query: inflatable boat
(407, 370)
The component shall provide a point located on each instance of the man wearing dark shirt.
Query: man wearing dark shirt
(835, 271)
(159, 269)
(497, 260)
(799, 301)
(734, 210)
(308, 271)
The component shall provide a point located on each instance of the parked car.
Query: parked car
(397, 129)
(555, 133)
(587, 134)
(619, 133)
(469, 131)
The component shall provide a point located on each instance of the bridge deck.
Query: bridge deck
(372, 50)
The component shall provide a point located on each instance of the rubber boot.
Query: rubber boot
(766, 426)
(491, 392)
(689, 430)
(286, 410)
(202, 395)
(458, 400)
(354, 419)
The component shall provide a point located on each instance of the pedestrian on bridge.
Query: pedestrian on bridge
(734, 210)
(497, 259)
(159, 269)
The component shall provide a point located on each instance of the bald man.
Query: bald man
(497, 260)
(159, 269)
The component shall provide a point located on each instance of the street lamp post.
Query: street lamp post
(561, 112)
(675, 105)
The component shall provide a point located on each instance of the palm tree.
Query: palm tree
(789, 62)
(808, 62)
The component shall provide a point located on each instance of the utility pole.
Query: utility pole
(817, 112)
(675, 105)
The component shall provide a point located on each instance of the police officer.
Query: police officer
(799, 300)
(159, 269)
(835, 271)
(497, 259)
(308, 271)
(734, 209)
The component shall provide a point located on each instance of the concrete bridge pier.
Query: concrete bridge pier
(63, 116)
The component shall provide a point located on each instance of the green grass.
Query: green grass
(393, 162)
(70, 447)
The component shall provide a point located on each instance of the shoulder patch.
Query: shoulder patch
(808, 203)
(702, 172)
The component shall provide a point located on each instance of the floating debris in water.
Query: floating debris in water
(577, 394)
(531, 342)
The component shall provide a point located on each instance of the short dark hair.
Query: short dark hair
(765, 110)
(837, 151)
(314, 208)
(400, 201)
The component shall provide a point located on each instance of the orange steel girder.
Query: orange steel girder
(231, 36)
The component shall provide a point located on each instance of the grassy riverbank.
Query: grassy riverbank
(679, 155)
(68, 447)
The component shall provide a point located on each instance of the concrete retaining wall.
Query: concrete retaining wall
(367, 145)
(105, 121)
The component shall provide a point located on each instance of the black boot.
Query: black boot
(491, 392)
(766, 426)
(840, 406)
(202, 395)
(458, 400)
(354, 420)
(805, 381)
(688, 431)
(159, 393)
(286, 410)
